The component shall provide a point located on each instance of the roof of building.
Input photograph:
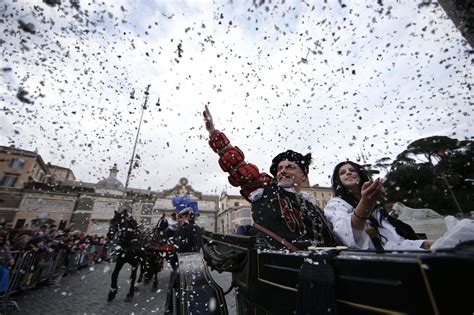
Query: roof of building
(110, 182)
(14, 150)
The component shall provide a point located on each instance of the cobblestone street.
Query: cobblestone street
(85, 292)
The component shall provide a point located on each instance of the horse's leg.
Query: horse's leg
(142, 271)
(148, 266)
(118, 266)
(133, 276)
(158, 268)
(155, 281)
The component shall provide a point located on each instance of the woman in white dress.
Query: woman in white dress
(358, 218)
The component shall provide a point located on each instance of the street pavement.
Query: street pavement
(85, 292)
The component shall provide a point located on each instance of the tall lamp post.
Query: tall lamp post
(147, 93)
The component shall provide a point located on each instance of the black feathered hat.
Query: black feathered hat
(303, 161)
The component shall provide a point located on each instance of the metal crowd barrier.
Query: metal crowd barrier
(34, 268)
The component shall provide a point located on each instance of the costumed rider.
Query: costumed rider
(283, 216)
(188, 239)
(189, 233)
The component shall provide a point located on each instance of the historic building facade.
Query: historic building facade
(33, 193)
(18, 167)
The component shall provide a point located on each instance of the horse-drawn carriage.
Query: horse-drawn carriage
(328, 280)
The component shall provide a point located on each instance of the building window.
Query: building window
(17, 163)
(9, 180)
(245, 213)
(236, 204)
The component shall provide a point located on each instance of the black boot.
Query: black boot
(112, 294)
(129, 297)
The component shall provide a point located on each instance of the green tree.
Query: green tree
(434, 172)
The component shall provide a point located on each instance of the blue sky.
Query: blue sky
(332, 80)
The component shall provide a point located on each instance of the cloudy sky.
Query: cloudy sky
(337, 79)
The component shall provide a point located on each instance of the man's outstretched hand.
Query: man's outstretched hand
(208, 119)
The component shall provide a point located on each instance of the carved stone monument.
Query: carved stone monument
(423, 220)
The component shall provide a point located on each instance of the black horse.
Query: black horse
(152, 262)
(157, 248)
(124, 232)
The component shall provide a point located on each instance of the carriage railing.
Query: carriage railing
(274, 282)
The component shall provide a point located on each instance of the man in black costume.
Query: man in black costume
(283, 216)
(189, 233)
(188, 240)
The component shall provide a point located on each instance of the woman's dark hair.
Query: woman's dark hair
(342, 192)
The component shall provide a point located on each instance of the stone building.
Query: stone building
(60, 174)
(233, 211)
(94, 209)
(33, 193)
(18, 167)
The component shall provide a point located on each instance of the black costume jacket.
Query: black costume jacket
(189, 238)
(285, 213)
(291, 217)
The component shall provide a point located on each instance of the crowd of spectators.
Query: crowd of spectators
(47, 252)
(47, 238)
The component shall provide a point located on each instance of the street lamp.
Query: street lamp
(147, 93)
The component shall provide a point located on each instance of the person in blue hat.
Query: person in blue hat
(188, 239)
(189, 233)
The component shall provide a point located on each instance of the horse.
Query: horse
(152, 262)
(157, 249)
(124, 232)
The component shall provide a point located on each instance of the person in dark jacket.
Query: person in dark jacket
(283, 215)
(189, 233)
(188, 240)
(161, 225)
